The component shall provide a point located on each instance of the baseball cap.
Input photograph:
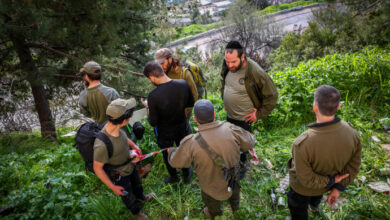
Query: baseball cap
(118, 107)
(162, 54)
(91, 67)
(204, 111)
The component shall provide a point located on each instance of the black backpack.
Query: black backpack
(84, 141)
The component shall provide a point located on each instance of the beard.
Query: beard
(235, 69)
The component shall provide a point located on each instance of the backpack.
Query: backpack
(197, 75)
(228, 174)
(84, 141)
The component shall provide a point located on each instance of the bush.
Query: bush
(362, 78)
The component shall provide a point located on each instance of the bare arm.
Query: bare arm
(101, 174)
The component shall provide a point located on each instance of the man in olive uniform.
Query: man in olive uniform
(225, 140)
(118, 113)
(248, 92)
(95, 98)
(325, 157)
(174, 68)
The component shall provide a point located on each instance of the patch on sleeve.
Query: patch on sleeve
(300, 139)
(186, 138)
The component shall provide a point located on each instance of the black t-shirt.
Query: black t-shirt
(167, 103)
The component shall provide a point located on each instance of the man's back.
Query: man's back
(226, 140)
(324, 150)
(94, 101)
(167, 103)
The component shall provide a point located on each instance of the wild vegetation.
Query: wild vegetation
(48, 181)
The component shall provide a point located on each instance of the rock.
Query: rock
(380, 186)
(386, 146)
(283, 185)
(70, 134)
(375, 138)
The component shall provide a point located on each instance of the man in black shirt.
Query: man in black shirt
(166, 109)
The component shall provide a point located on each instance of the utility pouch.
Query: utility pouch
(228, 174)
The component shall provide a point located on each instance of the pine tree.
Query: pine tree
(40, 39)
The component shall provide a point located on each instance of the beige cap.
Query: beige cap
(91, 67)
(162, 54)
(118, 107)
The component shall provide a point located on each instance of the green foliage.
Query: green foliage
(275, 8)
(335, 31)
(362, 78)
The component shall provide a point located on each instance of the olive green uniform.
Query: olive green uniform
(94, 101)
(320, 153)
(259, 87)
(226, 140)
(187, 76)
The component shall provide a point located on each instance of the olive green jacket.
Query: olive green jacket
(187, 76)
(320, 153)
(226, 140)
(259, 86)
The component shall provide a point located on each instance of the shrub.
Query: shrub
(362, 78)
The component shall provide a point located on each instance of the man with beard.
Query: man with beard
(166, 108)
(249, 93)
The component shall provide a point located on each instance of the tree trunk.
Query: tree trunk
(48, 129)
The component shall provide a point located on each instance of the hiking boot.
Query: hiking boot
(206, 212)
(170, 180)
(143, 171)
(314, 209)
(187, 179)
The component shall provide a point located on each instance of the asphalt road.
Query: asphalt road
(289, 21)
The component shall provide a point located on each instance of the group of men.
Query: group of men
(325, 157)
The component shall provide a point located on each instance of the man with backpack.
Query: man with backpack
(178, 69)
(248, 92)
(96, 97)
(118, 171)
(215, 151)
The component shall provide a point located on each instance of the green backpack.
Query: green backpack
(197, 75)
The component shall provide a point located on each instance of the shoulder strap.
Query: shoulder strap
(103, 137)
(206, 147)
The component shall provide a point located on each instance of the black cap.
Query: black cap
(204, 111)
(234, 45)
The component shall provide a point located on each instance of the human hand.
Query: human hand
(144, 102)
(333, 196)
(251, 117)
(137, 149)
(118, 190)
(339, 177)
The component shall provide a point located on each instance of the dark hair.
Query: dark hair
(153, 69)
(175, 62)
(94, 76)
(119, 120)
(327, 99)
(234, 45)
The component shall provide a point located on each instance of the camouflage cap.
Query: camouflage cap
(162, 54)
(118, 107)
(91, 67)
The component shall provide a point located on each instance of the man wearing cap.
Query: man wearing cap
(95, 98)
(118, 113)
(225, 140)
(249, 94)
(166, 109)
(174, 68)
(326, 157)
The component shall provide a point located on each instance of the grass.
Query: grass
(275, 8)
(48, 181)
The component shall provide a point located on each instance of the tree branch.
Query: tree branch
(133, 94)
